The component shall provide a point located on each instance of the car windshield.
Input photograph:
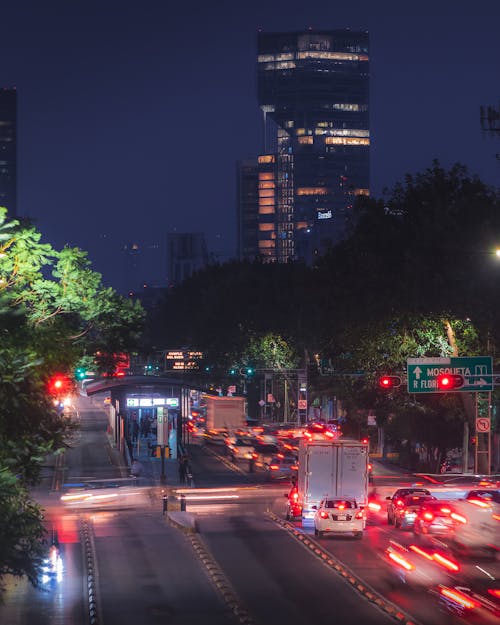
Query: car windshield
(410, 491)
(340, 505)
(486, 495)
(416, 500)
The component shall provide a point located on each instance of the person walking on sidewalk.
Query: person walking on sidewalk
(183, 468)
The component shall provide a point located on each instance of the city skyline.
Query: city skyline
(131, 120)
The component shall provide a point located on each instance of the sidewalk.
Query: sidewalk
(152, 466)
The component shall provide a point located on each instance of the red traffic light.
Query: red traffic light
(389, 381)
(449, 381)
(59, 384)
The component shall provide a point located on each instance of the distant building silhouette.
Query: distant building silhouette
(8, 150)
(247, 189)
(143, 266)
(186, 253)
(313, 89)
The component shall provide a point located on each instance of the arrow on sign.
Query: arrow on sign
(480, 382)
(418, 372)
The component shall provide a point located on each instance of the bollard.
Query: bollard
(183, 503)
(165, 503)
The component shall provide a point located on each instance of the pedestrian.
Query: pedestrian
(135, 431)
(136, 469)
(183, 468)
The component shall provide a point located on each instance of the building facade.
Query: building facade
(8, 150)
(186, 253)
(313, 90)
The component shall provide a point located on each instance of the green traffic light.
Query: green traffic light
(80, 373)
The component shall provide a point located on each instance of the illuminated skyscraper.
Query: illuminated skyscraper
(8, 150)
(313, 89)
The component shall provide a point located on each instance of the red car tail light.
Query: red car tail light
(421, 552)
(480, 503)
(458, 517)
(399, 503)
(448, 564)
(323, 514)
(458, 597)
(373, 505)
(359, 515)
(274, 467)
(428, 516)
(401, 561)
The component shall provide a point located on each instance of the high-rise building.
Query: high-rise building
(248, 209)
(313, 89)
(186, 253)
(8, 150)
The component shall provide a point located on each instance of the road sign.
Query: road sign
(483, 424)
(476, 371)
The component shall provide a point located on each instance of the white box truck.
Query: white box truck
(331, 468)
(225, 413)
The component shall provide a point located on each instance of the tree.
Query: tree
(53, 310)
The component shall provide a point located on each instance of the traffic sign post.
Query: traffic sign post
(423, 374)
(482, 451)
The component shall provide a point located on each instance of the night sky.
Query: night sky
(132, 115)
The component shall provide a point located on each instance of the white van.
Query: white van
(477, 525)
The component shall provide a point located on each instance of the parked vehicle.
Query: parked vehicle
(331, 469)
(339, 516)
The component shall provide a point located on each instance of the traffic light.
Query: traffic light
(232, 371)
(58, 384)
(389, 381)
(473, 440)
(80, 373)
(249, 370)
(449, 381)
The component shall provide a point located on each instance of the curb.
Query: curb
(212, 568)
(183, 521)
(356, 582)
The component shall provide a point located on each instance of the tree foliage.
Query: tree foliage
(54, 311)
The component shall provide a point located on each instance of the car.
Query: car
(434, 518)
(52, 566)
(265, 453)
(293, 506)
(282, 467)
(241, 449)
(396, 500)
(339, 516)
(418, 567)
(490, 496)
(477, 528)
(405, 514)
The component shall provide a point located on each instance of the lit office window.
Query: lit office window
(266, 158)
(305, 140)
(312, 191)
(346, 141)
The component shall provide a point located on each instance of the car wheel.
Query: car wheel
(358, 535)
(320, 534)
(416, 528)
(397, 523)
(287, 517)
(316, 533)
(390, 520)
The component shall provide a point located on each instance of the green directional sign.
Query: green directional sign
(476, 371)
